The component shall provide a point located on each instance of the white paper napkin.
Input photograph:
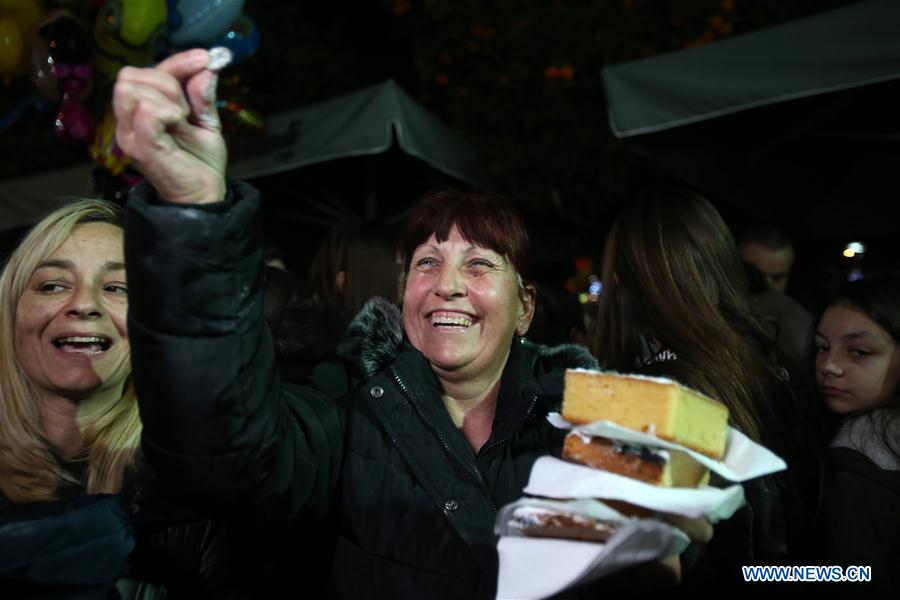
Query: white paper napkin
(555, 478)
(532, 568)
(744, 459)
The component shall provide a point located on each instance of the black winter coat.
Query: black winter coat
(134, 544)
(367, 443)
(861, 512)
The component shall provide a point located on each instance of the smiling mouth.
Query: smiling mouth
(83, 344)
(452, 320)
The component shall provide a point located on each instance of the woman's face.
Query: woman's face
(461, 307)
(857, 362)
(71, 335)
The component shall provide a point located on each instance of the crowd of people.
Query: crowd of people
(206, 426)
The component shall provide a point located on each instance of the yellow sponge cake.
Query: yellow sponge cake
(661, 407)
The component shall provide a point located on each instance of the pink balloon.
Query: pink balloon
(74, 124)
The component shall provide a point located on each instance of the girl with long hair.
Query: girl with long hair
(857, 369)
(675, 304)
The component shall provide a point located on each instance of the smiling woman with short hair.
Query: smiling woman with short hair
(412, 442)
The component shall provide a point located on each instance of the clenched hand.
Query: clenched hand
(167, 122)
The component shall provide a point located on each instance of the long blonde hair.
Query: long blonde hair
(29, 470)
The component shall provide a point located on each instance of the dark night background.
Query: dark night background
(520, 80)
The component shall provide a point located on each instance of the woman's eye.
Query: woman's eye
(426, 262)
(51, 287)
(481, 263)
(860, 352)
(117, 289)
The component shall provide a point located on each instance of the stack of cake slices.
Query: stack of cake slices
(655, 406)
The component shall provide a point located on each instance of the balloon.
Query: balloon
(63, 76)
(129, 32)
(66, 37)
(17, 19)
(104, 150)
(233, 103)
(10, 49)
(24, 12)
(242, 38)
(42, 74)
(61, 57)
(74, 123)
(237, 117)
(198, 22)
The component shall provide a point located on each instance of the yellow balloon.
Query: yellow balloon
(10, 48)
(103, 149)
(128, 32)
(25, 13)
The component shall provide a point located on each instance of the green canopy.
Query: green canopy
(797, 124)
(362, 123)
(841, 49)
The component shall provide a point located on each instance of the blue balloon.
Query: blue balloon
(198, 22)
(242, 38)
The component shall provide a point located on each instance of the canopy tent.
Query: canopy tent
(373, 141)
(365, 155)
(362, 123)
(796, 123)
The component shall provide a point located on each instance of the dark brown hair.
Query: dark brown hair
(485, 220)
(366, 252)
(672, 274)
(879, 299)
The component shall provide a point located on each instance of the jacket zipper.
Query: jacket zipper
(480, 479)
(509, 437)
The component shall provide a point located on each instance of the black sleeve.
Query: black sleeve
(220, 430)
(861, 516)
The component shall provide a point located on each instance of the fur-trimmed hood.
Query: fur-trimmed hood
(375, 339)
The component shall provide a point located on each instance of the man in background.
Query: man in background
(769, 254)
(769, 249)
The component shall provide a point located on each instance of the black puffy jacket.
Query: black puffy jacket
(367, 443)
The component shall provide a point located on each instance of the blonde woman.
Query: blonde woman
(69, 418)
(74, 502)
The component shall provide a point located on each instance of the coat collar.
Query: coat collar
(376, 342)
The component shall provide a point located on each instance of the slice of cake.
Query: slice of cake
(543, 522)
(660, 407)
(656, 466)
